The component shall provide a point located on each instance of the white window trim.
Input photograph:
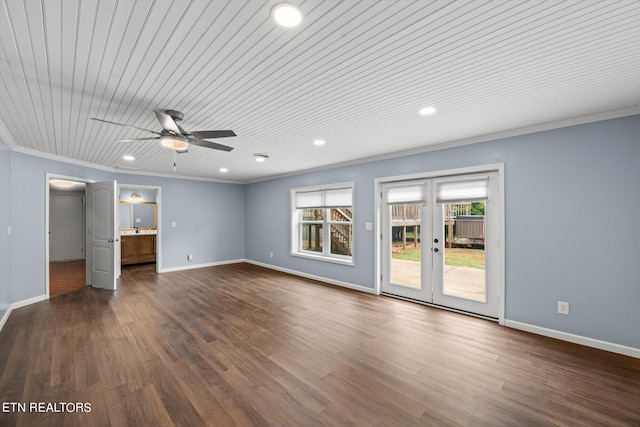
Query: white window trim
(296, 237)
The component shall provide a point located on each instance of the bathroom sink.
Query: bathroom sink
(133, 232)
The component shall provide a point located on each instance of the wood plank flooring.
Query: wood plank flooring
(242, 345)
(66, 276)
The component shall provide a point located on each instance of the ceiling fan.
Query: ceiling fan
(173, 137)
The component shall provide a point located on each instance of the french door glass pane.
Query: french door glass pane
(464, 251)
(405, 245)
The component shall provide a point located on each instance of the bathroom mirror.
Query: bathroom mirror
(137, 214)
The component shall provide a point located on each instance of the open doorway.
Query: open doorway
(139, 225)
(66, 261)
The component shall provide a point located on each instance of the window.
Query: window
(322, 222)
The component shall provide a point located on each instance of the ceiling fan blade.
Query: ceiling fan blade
(137, 139)
(128, 126)
(167, 122)
(209, 144)
(208, 134)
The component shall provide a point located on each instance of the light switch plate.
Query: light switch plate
(563, 307)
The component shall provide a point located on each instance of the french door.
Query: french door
(440, 241)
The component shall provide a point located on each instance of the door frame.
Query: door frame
(495, 167)
(158, 217)
(49, 177)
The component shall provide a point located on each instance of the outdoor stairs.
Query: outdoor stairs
(340, 235)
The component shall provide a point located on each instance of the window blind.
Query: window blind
(329, 198)
(412, 193)
(472, 190)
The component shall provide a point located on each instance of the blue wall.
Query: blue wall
(571, 202)
(148, 195)
(209, 217)
(209, 221)
(5, 239)
(571, 195)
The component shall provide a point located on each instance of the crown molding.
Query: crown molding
(58, 158)
(624, 112)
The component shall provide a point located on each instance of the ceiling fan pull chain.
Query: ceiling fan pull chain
(174, 160)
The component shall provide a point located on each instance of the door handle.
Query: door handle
(110, 240)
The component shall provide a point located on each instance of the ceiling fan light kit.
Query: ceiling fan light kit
(172, 142)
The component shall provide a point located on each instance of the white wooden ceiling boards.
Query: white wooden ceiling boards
(354, 74)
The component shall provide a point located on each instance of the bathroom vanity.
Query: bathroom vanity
(137, 232)
(137, 248)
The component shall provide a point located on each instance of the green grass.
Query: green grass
(458, 257)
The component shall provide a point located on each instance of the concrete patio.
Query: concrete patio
(462, 282)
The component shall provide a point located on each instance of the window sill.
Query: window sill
(324, 258)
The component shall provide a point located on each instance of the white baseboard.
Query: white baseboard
(576, 339)
(19, 304)
(5, 317)
(314, 277)
(273, 267)
(209, 264)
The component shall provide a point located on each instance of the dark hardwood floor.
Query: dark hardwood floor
(242, 345)
(66, 276)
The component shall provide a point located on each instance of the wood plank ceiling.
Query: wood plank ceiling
(354, 74)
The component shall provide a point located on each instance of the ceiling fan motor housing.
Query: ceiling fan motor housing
(175, 115)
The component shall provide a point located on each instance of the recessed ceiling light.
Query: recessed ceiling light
(260, 157)
(286, 15)
(319, 142)
(224, 170)
(129, 158)
(426, 111)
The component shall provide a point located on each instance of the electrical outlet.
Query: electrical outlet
(563, 307)
(173, 224)
(190, 257)
(270, 254)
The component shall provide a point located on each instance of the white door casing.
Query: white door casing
(430, 286)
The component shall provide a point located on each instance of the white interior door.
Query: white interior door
(440, 241)
(102, 233)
